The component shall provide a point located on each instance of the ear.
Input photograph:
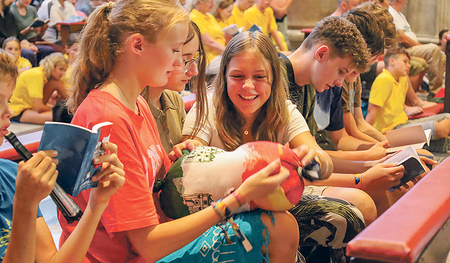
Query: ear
(344, 6)
(321, 52)
(391, 62)
(135, 43)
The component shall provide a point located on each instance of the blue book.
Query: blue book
(254, 28)
(76, 147)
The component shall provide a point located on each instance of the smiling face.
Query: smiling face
(248, 83)
(13, 48)
(160, 58)
(6, 91)
(183, 73)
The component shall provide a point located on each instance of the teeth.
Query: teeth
(248, 97)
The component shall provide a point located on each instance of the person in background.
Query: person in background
(61, 10)
(343, 6)
(223, 12)
(89, 7)
(12, 46)
(34, 88)
(443, 39)
(25, 236)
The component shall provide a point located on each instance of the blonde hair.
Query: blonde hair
(49, 63)
(105, 31)
(8, 68)
(273, 117)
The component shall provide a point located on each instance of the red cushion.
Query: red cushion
(404, 230)
(430, 111)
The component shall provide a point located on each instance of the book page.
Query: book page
(402, 155)
(406, 136)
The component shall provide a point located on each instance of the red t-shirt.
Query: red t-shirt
(143, 157)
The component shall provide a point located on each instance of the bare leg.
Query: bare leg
(442, 128)
(284, 237)
(358, 198)
(31, 116)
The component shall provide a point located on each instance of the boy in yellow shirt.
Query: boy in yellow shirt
(262, 15)
(387, 109)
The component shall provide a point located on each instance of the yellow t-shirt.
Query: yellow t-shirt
(264, 20)
(22, 63)
(390, 96)
(208, 24)
(29, 86)
(237, 17)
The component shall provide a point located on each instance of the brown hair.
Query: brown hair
(370, 26)
(343, 38)
(222, 5)
(10, 39)
(8, 68)
(394, 52)
(106, 29)
(273, 117)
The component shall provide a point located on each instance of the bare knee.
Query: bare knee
(358, 198)
(284, 236)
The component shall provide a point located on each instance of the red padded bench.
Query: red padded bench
(415, 229)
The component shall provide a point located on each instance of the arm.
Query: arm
(278, 40)
(372, 111)
(407, 41)
(305, 138)
(377, 151)
(178, 233)
(378, 178)
(39, 173)
(40, 107)
(365, 127)
(410, 111)
(212, 43)
(353, 130)
(74, 249)
(27, 45)
(346, 142)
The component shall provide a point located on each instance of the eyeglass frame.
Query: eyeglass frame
(188, 63)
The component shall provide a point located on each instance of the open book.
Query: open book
(39, 22)
(413, 136)
(76, 147)
(410, 160)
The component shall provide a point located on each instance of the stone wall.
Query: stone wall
(427, 17)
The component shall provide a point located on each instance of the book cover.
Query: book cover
(77, 147)
(416, 138)
(410, 160)
(39, 22)
(254, 28)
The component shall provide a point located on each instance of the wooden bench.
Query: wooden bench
(415, 229)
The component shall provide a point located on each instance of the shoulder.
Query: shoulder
(8, 170)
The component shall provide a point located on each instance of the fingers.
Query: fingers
(108, 159)
(305, 154)
(384, 144)
(107, 170)
(110, 146)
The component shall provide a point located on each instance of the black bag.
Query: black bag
(60, 112)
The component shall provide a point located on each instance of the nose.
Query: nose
(193, 70)
(248, 84)
(178, 60)
(8, 114)
(339, 82)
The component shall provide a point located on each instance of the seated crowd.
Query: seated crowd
(129, 65)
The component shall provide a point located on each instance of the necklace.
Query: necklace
(246, 132)
(135, 108)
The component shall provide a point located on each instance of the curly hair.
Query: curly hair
(8, 68)
(49, 63)
(376, 25)
(273, 117)
(343, 38)
(105, 31)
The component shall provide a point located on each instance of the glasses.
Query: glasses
(195, 60)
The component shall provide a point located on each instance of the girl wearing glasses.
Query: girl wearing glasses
(166, 104)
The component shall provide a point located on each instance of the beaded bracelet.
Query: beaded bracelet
(222, 210)
(239, 198)
(358, 181)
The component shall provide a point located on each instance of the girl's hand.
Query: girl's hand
(36, 178)
(177, 150)
(382, 176)
(263, 182)
(305, 154)
(110, 178)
